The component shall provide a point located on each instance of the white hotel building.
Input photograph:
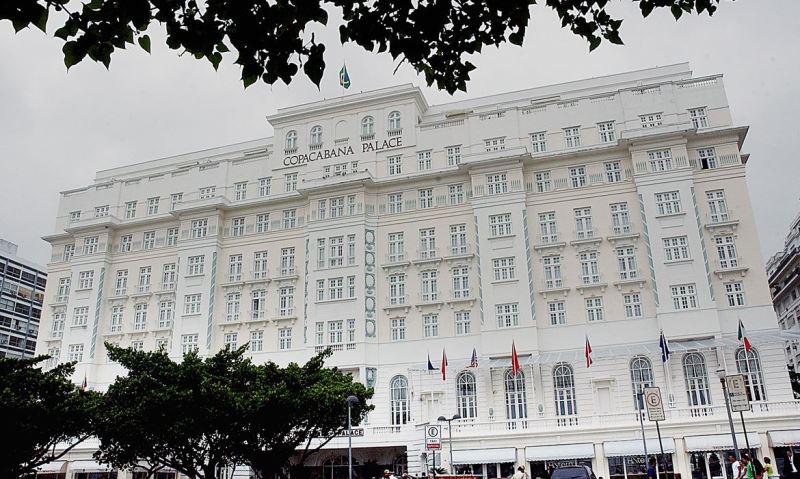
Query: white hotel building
(390, 230)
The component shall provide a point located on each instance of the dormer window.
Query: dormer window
(316, 135)
(394, 121)
(367, 126)
(291, 140)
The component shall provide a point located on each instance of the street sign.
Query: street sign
(737, 392)
(653, 404)
(433, 437)
(352, 432)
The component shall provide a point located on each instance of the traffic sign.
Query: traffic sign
(433, 437)
(737, 392)
(653, 404)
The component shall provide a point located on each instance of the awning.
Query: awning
(55, 466)
(636, 448)
(559, 451)
(87, 466)
(719, 442)
(784, 438)
(484, 456)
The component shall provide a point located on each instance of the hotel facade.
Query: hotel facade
(393, 231)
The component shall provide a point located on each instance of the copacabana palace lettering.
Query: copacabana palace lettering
(366, 147)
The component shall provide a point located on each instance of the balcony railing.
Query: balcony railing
(620, 230)
(585, 234)
(428, 254)
(547, 240)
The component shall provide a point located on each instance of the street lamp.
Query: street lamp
(450, 433)
(351, 401)
(721, 374)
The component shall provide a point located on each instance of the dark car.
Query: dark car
(573, 472)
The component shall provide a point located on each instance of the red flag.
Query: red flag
(85, 384)
(444, 365)
(743, 337)
(587, 351)
(514, 359)
(473, 363)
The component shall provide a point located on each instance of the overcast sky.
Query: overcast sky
(58, 128)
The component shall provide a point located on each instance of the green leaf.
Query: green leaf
(144, 42)
(41, 19)
(249, 80)
(72, 54)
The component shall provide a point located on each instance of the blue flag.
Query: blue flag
(664, 345)
(430, 364)
(344, 78)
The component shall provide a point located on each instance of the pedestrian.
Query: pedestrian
(748, 467)
(769, 469)
(651, 468)
(520, 474)
(791, 465)
(758, 468)
(736, 467)
(387, 474)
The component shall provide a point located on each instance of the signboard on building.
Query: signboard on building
(352, 432)
(433, 437)
(653, 404)
(737, 392)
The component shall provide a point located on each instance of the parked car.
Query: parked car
(573, 472)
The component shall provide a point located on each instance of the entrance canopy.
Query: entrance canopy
(719, 442)
(784, 438)
(88, 466)
(559, 451)
(636, 447)
(51, 467)
(484, 456)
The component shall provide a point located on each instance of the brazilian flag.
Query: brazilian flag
(344, 78)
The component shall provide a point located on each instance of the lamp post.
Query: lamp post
(721, 374)
(351, 400)
(450, 434)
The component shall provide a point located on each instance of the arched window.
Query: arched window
(467, 395)
(564, 390)
(291, 140)
(516, 398)
(749, 364)
(316, 135)
(367, 126)
(400, 400)
(696, 375)
(394, 120)
(641, 377)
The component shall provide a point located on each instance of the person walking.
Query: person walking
(747, 464)
(791, 465)
(758, 468)
(769, 469)
(520, 474)
(736, 467)
(651, 468)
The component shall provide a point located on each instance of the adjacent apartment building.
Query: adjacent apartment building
(22, 285)
(784, 280)
(390, 230)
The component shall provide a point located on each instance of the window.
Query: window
(572, 137)
(368, 127)
(289, 219)
(259, 265)
(497, 184)
(735, 293)
(101, 211)
(495, 144)
(660, 160)
(396, 247)
(320, 333)
(552, 272)
(557, 311)
(467, 393)
(264, 186)
(191, 304)
(590, 273)
(641, 377)
(91, 244)
(430, 325)
(456, 194)
(749, 364)
(577, 176)
(121, 283)
(256, 341)
(69, 252)
(284, 339)
(168, 277)
(594, 309)
(262, 223)
(426, 198)
(696, 376)
(668, 203)
(424, 161)
(633, 305)
(117, 314)
(708, 158)
(564, 390)
(460, 282)
(547, 228)
(607, 133)
(336, 250)
(140, 317)
(396, 203)
(291, 140)
(200, 228)
(427, 243)
(507, 315)
(394, 123)
(287, 261)
(230, 341)
(698, 117)
(395, 165)
(286, 301)
(80, 316)
(74, 216)
(125, 243)
(75, 353)
(539, 142)
(613, 171)
(189, 343)
(398, 329)
(232, 306)
(335, 288)
(351, 249)
(516, 398)
(463, 324)
(235, 267)
(316, 136)
(196, 265)
(351, 205)
(145, 272)
(543, 183)
(85, 279)
(397, 289)
(62, 294)
(717, 206)
(58, 325)
(237, 226)
(726, 250)
(400, 402)
(430, 285)
(290, 182)
(458, 239)
(240, 191)
(149, 240)
(650, 120)
(626, 262)
(620, 219)
(174, 200)
(320, 290)
(166, 312)
(676, 248)
(583, 223)
(504, 269)
(130, 210)
(207, 192)
(453, 155)
(258, 303)
(500, 225)
(172, 236)
(152, 206)
(351, 287)
(684, 296)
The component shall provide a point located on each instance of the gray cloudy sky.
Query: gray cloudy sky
(58, 128)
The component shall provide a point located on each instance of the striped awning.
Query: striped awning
(559, 451)
(719, 442)
(784, 438)
(484, 456)
(635, 447)
(88, 466)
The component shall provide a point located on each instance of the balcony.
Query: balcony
(286, 312)
(397, 302)
(730, 266)
(554, 286)
(459, 252)
(726, 219)
(590, 282)
(394, 132)
(549, 241)
(586, 237)
(430, 298)
(460, 296)
(430, 255)
(397, 259)
(287, 273)
(625, 232)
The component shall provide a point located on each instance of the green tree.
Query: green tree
(40, 410)
(271, 43)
